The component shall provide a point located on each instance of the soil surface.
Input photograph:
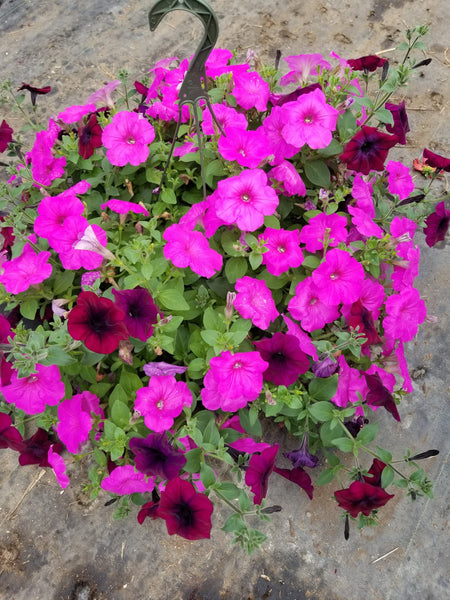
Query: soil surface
(56, 545)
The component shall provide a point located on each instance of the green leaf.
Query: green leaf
(173, 300)
(322, 411)
(57, 356)
(311, 262)
(235, 268)
(120, 413)
(384, 116)
(228, 489)
(318, 173)
(245, 419)
(334, 148)
(210, 336)
(100, 457)
(63, 282)
(118, 395)
(387, 476)
(213, 169)
(255, 260)
(347, 125)
(344, 444)
(323, 388)
(384, 455)
(326, 477)
(212, 320)
(168, 196)
(207, 475)
(367, 434)
(193, 458)
(28, 308)
(233, 523)
(211, 434)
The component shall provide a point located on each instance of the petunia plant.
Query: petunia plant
(160, 332)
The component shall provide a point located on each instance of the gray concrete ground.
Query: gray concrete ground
(55, 545)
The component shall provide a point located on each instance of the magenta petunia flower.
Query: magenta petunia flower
(244, 200)
(5, 135)
(122, 207)
(287, 175)
(283, 250)
(364, 222)
(333, 228)
(362, 190)
(75, 419)
(98, 322)
(161, 401)
(10, 437)
(25, 270)
(339, 278)
(309, 120)
(308, 308)
(302, 66)
(286, 359)
(258, 472)
(56, 461)
(103, 95)
(254, 301)
(273, 128)
(126, 480)
(350, 384)
(367, 150)
(72, 235)
(401, 125)
(155, 456)
(233, 380)
(400, 181)
(72, 114)
(141, 313)
(303, 338)
(436, 160)
(251, 90)
(187, 513)
(227, 116)
(89, 137)
(437, 225)
(33, 393)
(404, 313)
(247, 148)
(248, 445)
(361, 497)
(404, 274)
(52, 213)
(127, 139)
(44, 166)
(187, 248)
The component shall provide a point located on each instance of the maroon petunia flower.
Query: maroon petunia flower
(286, 360)
(401, 125)
(437, 225)
(10, 437)
(362, 318)
(98, 322)
(258, 472)
(366, 63)
(375, 471)
(34, 91)
(379, 395)
(150, 510)
(89, 137)
(280, 99)
(141, 89)
(140, 311)
(155, 456)
(361, 497)
(302, 457)
(299, 477)
(35, 449)
(5, 135)
(436, 160)
(368, 150)
(186, 512)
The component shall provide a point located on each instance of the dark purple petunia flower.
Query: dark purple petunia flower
(368, 150)
(156, 456)
(437, 225)
(362, 318)
(361, 497)
(375, 471)
(34, 91)
(379, 395)
(141, 313)
(401, 125)
(98, 322)
(10, 437)
(302, 457)
(366, 63)
(5, 135)
(299, 477)
(325, 367)
(286, 360)
(186, 512)
(89, 137)
(355, 425)
(258, 472)
(436, 160)
(35, 449)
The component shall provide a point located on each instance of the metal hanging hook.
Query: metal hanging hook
(193, 88)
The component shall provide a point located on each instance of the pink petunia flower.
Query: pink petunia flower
(404, 274)
(350, 384)
(45, 167)
(127, 139)
(244, 200)
(52, 213)
(404, 313)
(122, 207)
(400, 181)
(283, 250)
(75, 420)
(187, 248)
(227, 116)
(273, 128)
(33, 393)
(364, 223)
(56, 461)
(247, 148)
(291, 182)
(309, 120)
(103, 95)
(73, 231)
(251, 90)
(308, 308)
(72, 114)
(25, 270)
(254, 301)
(161, 401)
(126, 480)
(339, 278)
(301, 66)
(233, 380)
(332, 227)
(303, 338)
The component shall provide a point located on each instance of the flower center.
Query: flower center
(237, 365)
(131, 140)
(313, 301)
(308, 119)
(334, 276)
(281, 249)
(245, 197)
(160, 404)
